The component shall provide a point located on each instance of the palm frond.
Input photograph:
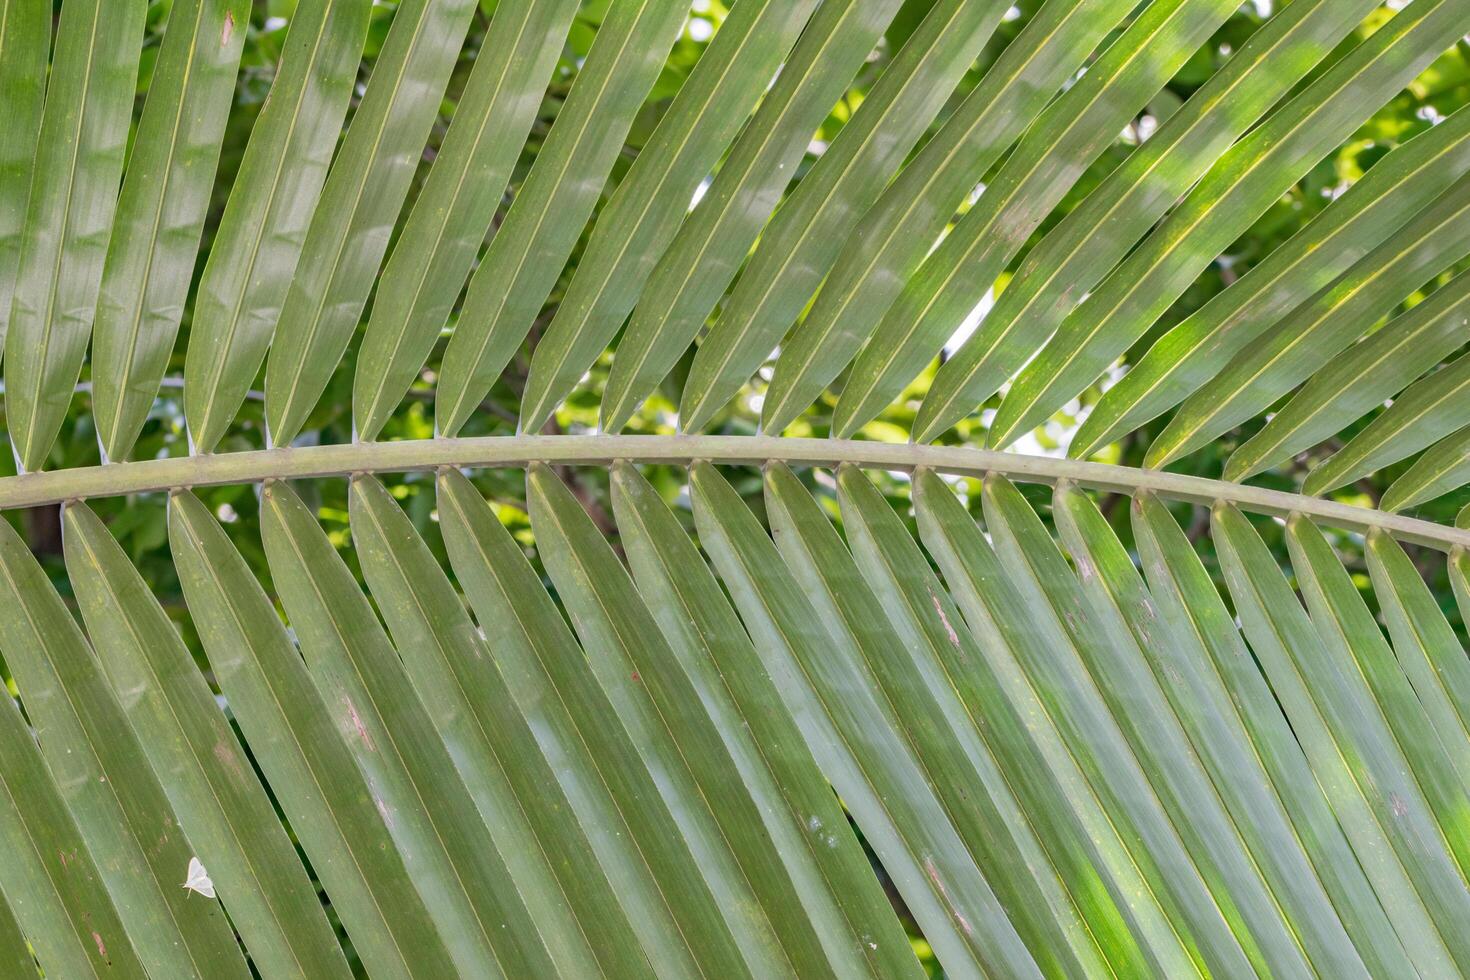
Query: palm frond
(601, 660)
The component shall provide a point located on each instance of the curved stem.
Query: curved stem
(55, 486)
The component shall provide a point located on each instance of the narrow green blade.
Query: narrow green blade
(1256, 762)
(160, 214)
(1074, 678)
(553, 872)
(1396, 735)
(807, 233)
(48, 878)
(265, 221)
(453, 211)
(359, 206)
(1459, 569)
(1426, 647)
(681, 928)
(1193, 352)
(1058, 913)
(532, 245)
(1091, 239)
(1012, 635)
(1445, 466)
(106, 781)
(854, 921)
(204, 771)
(291, 736)
(1242, 184)
(633, 231)
(814, 221)
(1352, 385)
(73, 196)
(1302, 674)
(1056, 149)
(1431, 410)
(935, 756)
(15, 955)
(1223, 837)
(1318, 330)
(660, 709)
(819, 672)
(25, 41)
(891, 241)
(455, 864)
(712, 244)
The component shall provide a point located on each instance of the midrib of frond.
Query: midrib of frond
(292, 463)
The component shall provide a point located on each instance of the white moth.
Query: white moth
(199, 880)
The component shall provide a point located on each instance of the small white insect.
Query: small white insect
(199, 880)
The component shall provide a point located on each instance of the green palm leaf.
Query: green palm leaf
(219, 802)
(437, 246)
(1315, 692)
(1239, 187)
(1077, 254)
(68, 218)
(1269, 784)
(1192, 353)
(644, 217)
(897, 110)
(260, 235)
(388, 731)
(431, 625)
(25, 36)
(161, 212)
(352, 223)
(706, 254)
(1062, 141)
(302, 755)
(61, 903)
(542, 227)
(395, 581)
(1308, 338)
(827, 865)
(1378, 367)
(98, 763)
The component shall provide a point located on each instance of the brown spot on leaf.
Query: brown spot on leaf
(954, 638)
(225, 753)
(101, 946)
(933, 873)
(362, 732)
(229, 31)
